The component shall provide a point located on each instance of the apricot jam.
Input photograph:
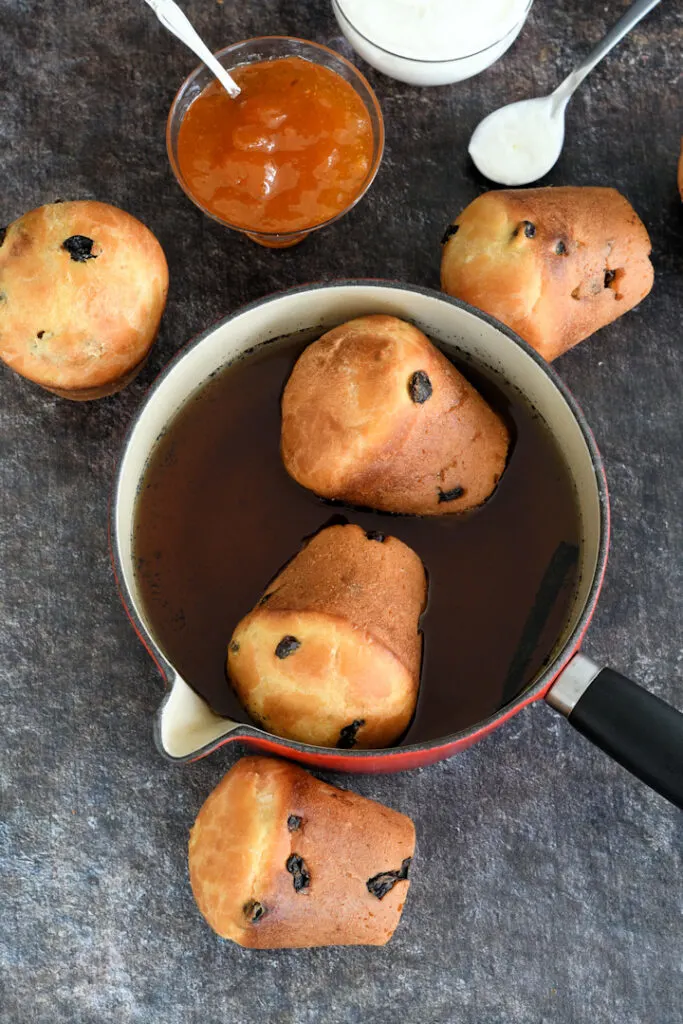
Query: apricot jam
(292, 151)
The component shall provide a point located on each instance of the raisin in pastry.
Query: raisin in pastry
(279, 859)
(554, 264)
(373, 414)
(82, 289)
(331, 653)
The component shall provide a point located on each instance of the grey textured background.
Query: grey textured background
(548, 885)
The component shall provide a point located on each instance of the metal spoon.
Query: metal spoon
(520, 142)
(172, 18)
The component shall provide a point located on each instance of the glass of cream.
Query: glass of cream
(431, 42)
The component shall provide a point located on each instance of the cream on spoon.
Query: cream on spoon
(521, 142)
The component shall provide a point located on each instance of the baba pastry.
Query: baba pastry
(279, 859)
(331, 653)
(82, 289)
(554, 264)
(374, 414)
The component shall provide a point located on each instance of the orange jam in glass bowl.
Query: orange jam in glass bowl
(297, 148)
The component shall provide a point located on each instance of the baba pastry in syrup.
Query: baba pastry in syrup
(331, 653)
(374, 414)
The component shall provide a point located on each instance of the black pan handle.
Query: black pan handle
(637, 729)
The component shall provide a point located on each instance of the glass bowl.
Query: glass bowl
(418, 71)
(265, 48)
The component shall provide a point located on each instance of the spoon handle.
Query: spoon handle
(172, 18)
(633, 15)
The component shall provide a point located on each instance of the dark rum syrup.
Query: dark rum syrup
(218, 516)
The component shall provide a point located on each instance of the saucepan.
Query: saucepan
(635, 727)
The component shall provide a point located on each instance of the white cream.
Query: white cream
(431, 42)
(519, 143)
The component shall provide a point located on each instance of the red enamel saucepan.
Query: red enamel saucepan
(636, 728)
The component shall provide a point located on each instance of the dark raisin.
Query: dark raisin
(299, 872)
(79, 248)
(287, 646)
(451, 230)
(561, 249)
(379, 885)
(609, 277)
(234, 647)
(253, 911)
(3, 233)
(347, 736)
(40, 334)
(455, 492)
(420, 387)
(529, 228)
(375, 535)
(293, 822)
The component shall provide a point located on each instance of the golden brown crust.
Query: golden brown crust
(680, 171)
(103, 391)
(241, 842)
(80, 322)
(352, 605)
(582, 263)
(355, 426)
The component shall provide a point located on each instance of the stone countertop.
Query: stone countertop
(548, 886)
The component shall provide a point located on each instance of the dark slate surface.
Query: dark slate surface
(549, 883)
